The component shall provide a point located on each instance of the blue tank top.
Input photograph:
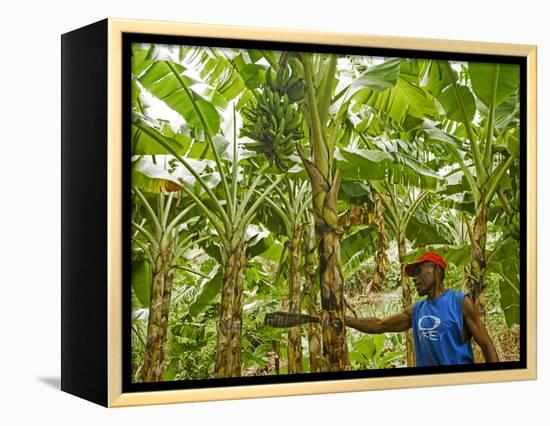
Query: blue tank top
(437, 328)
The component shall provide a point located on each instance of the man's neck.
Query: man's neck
(436, 291)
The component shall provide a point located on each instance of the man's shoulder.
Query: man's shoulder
(458, 294)
(418, 304)
(459, 297)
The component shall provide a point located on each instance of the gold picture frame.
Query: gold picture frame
(108, 390)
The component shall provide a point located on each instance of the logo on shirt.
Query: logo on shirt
(427, 327)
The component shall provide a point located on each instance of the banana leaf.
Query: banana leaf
(208, 290)
(482, 78)
(168, 82)
(357, 163)
(361, 241)
(141, 281)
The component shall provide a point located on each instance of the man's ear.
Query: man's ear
(441, 272)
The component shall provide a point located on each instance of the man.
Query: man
(443, 323)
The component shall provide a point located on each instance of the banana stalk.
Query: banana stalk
(229, 326)
(325, 187)
(316, 361)
(294, 281)
(406, 299)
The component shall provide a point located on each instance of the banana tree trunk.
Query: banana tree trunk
(229, 327)
(332, 300)
(476, 275)
(328, 234)
(464, 279)
(276, 345)
(166, 298)
(153, 347)
(294, 281)
(310, 294)
(382, 262)
(406, 298)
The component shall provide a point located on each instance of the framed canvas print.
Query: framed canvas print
(255, 212)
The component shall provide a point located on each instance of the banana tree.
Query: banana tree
(274, 124)
(320, 82)
(389, 88)
(229, 209)
(483, 99)
(232, 214)
(162, 241)
(291, 206)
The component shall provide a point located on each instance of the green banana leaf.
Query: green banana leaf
(258, 240)
(141, 281)
(253, 75)
(507, 113)
(437, 77)
(164, 175)
(376, 78)
(482, 78)
(152, 177)
(360, 241)
(451, 105)
(273, 252)
(145, 144)
(208, 290)
(167, 81)
(231, 73)
(357, 163)
(433, 133)
(147, 133)
(509, 302)
(141, 57)
(455, 183)
(424, 229)
(354, 188)
(506, 264)
(402, 100)
(458, 255)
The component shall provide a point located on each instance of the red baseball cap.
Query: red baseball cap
(429, 256)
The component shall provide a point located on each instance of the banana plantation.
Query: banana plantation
(298, 182)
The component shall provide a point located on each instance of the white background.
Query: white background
(30, 212)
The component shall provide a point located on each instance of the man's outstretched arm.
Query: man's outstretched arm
(372, 325)
(478, 331)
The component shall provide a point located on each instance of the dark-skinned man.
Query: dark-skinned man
(443, 323)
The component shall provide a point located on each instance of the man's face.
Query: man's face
(424, 278)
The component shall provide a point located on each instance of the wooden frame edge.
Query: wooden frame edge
(532, 210)
(312, 388)
(116, 27)
(318, 37)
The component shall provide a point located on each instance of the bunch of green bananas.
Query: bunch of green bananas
(514, 220)
(514, 227)
(287, 82)
(274, 122)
